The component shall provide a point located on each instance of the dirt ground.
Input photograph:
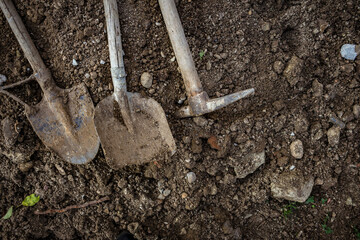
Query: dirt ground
(246, 44)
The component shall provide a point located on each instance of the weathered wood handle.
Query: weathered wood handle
(181, 47)
(115, 46)
(23, 37)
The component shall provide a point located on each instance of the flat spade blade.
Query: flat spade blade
(150, 139)
(65, 124)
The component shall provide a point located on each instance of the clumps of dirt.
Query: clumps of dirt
(287, 50)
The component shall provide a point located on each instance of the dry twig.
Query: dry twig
(72, 207)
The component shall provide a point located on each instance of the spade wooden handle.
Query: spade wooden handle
(21, 34)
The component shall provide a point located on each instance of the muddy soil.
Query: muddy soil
(288, 50)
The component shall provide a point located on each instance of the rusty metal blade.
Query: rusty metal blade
(151, 139)
(75, 140)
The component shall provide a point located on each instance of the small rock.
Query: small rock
(132, 227)
(317, 88)
(350, 51)
(60, 169)
(208, 66)
(26, 166)
(323, 25)
(248, 164)
(166, 192)
(292, 186)
(265, 26)
(74, 62)
(356, 110)
(9, 132)
(333, 135)
(93, 75)
(3, 79)
(227, 228)
(87, 75)
(297, 149)
(293, 70)
(102, 62)
(146, 80)
(278, 67)
(200, 121)
(191, 177)
(196, 145)
(349, 202)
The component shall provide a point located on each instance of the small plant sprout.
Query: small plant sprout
(288, 209)
(357, 233)
(311, 200)
(29, 201)
(325, 227)
(8, 213)
(324, 200)
(201, 54)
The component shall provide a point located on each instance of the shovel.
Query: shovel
(199, 101)
(132, 129)
(63, 119)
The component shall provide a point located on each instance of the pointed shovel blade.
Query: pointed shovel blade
(150, 139)
(74, 140)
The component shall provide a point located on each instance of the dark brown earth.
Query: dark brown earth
(247, 44)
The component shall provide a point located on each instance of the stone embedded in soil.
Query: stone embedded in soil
(74, 63)
(278, 67)
(200, 121)
(9, 132)
(297, 149)
(191, 177)
(3, 79)
(146, 80)
(293, 70)
(333, 135)
(227, 227)
(292, 186)
(356, 110)
(25, 167)
(196, 145)
(248, 164)
(317, 88)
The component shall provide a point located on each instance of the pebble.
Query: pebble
(227, 228)
(166, 192)
(356, 110)
(3, 79)
(146, 80)
(292, 186)
(246, 165)
(265, 26)
(278, 67)
(333, 135)
(317, 88)
(337, 122)
(87, 75)
(26, 166)
(93, 75)
(350, 51)
(102, 62)
(191, 177)
(74, 62)
(293, 70)
(297, 149)
(200, 121)
(60, 169)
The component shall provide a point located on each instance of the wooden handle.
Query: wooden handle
(181, 47)
(23, 37)
(115, 46)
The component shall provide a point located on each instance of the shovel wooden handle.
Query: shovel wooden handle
(21, 34)
(115, 46)
(181, 47)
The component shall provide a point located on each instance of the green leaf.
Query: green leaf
(9, 213)
(323, 200)
(310, 200)
(201, 54)
(31, 200)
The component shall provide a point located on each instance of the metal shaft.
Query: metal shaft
(181, 47)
